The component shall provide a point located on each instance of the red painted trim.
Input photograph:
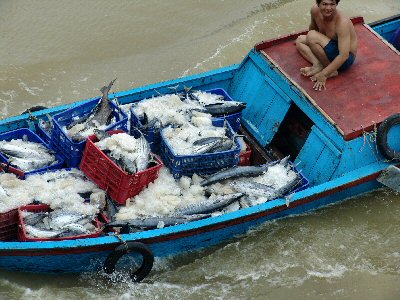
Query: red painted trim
(268, 43)
(174, 236)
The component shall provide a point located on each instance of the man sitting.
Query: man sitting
(330, 45)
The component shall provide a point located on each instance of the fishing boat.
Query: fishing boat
(341, 139)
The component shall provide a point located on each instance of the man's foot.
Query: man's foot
(333, 74)
(310, 71)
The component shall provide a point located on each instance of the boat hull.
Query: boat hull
(88, 256)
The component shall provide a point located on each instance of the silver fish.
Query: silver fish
(240, 171)
(59, 220)
(41, 233)
(31, 164)
(100, 115)
(153, 222)
(75, 228)
(34, 218)
(209, 205)
(225, 108)
(143, 153)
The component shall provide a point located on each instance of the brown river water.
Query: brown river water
(54, 52)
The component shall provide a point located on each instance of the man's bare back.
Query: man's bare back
(330, 45)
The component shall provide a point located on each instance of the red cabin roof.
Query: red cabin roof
(358, 98)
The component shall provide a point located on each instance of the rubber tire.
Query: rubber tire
(136, 275)
(382, 135)
(34, 108)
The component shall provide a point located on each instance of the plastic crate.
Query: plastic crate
(9, 225)
(244, 157)
(24, 237)
(32, 137)
(62, 143)
(152, 135)
(187, 165)
(233, 119)
(119, 184)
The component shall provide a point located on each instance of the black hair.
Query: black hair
(319, 2)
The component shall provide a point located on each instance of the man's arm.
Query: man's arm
(313, 24)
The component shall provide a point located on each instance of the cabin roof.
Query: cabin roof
(358, 98)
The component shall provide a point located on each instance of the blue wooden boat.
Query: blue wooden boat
(330, 135)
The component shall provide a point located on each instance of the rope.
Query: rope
(123, 242)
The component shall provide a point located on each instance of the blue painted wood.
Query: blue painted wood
(318, 158)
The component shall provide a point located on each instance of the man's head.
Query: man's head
(319, 1)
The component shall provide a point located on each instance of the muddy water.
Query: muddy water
(54, 52)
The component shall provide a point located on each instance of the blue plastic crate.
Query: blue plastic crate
(233, 119)
(32, 137)
(152, 135)
(62, 143)
(187, 165)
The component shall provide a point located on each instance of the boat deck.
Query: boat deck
(358, 98)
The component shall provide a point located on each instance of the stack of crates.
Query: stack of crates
(63, 144)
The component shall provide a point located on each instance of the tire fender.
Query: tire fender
(140, 248)
(382, 137)
(34, 108)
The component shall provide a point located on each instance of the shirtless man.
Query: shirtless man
(330, 45)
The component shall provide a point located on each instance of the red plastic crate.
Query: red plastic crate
(24, 237)
(9, 225)
(119, 184)
(244, 157)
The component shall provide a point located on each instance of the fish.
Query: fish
(209, 205)
(100, 115)
(240, 171)
(31, 164)
(25, 149)
(42, 233)
(143, 153)
(225, 108)
(46, 125)
(111, 208)
(154, 222)
(206, 145)
(60, 218)
(75, 228)
(34, 218)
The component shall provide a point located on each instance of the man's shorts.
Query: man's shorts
(332, 50)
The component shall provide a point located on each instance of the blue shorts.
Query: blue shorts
(332, 50)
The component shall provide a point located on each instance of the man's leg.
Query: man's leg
(311, 48)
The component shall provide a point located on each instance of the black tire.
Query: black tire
(34, 108)
(136, 275)
(382, 136)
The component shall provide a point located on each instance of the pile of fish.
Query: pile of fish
(27, 155)
(199, 138)
(168, 202)
(100, 117)
(61, 189)
(177, 109)
(130, 154)
(57, 224)
(258, 183)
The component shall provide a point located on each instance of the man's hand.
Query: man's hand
(320, 81)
